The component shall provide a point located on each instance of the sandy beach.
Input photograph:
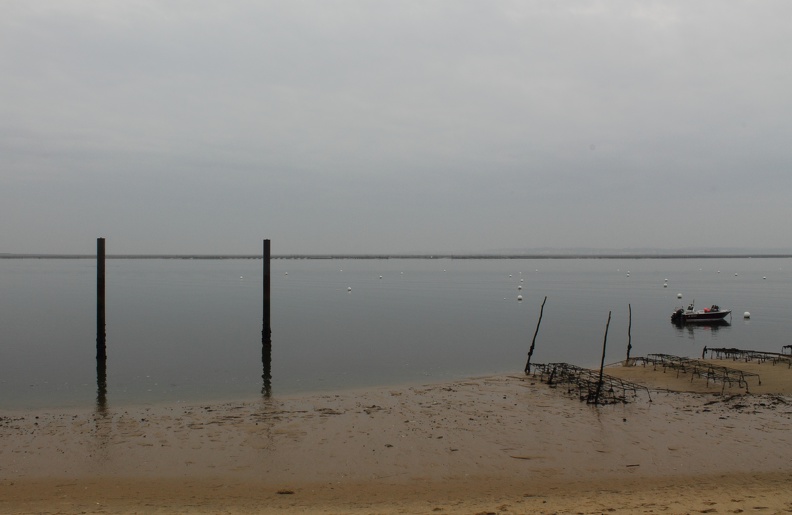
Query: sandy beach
(502, 444)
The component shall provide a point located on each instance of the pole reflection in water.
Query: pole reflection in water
(266, 362)
(103, 421)
(101, 386)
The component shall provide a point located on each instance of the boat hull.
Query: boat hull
(705, 317)
(699, 316)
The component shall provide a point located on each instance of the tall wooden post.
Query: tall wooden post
(266, 330)
(101, 350)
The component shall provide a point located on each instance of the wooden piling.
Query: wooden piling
(266, 330)
(101, 349)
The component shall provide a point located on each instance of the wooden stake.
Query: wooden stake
(533, 342)
(629, 337)
(602, 361)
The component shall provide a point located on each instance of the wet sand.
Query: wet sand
(504, 444)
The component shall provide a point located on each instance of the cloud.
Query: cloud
(367, 126)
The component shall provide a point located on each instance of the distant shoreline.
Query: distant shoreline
(402, 256)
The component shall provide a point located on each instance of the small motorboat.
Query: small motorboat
(711, 314)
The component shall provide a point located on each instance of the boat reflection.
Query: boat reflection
(691, 328)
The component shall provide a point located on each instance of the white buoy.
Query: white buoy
(665, 286)
(522, 280)
(349, 288)
(764, 277)
(519, 287)
(746, 315)
(735, 275)
(380, 277)
(519, 297)
(287, 273)
(679, 295)
(510, 275)
(241, 277)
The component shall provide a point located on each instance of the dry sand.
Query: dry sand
(505, 444)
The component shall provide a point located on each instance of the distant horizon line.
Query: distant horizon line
(488, 255)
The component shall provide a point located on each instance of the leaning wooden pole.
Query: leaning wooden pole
(533, 342)
(602, 361)
(266, 330)
(629, 336)
(101, 349)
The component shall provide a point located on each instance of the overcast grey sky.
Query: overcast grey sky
(400, 126)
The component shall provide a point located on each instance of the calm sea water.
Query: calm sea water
(190, 330)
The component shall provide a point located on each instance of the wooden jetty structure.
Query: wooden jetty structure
(589, 385)
(698, 368)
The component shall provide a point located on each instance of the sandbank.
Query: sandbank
(500, 444)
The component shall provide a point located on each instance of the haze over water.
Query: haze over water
(190, 330)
